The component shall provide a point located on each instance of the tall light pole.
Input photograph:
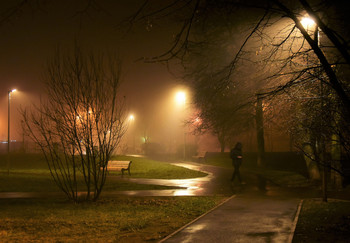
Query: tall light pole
(131, 120)
(8, 129)
(180, 98)
(308, 23)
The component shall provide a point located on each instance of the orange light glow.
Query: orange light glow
(307, 22)
(180, 97)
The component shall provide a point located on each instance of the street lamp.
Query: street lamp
(180, 98)
(131, 118)
(8, 129)
(307, 22)
(131, 121)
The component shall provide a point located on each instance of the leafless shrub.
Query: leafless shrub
(81, 121)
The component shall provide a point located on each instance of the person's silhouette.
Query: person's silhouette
(236, 156)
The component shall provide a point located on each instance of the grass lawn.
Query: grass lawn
(323, 222)
(147, 168)
(123, 219)
(120, 219)
(29, 172)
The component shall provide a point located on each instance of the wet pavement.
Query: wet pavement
(215, 183)
(254, 212)
(257, 211)
(243, 218)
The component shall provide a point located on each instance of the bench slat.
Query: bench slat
(119, 165)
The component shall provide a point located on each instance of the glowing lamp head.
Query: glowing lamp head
(11, 91)
(307, 22)
(131, 118)
(180, 97)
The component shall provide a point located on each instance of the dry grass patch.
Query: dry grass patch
(123, 219)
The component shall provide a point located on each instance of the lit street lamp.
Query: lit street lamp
(309, 23)
(180, 99)
(8, 130)
(131, 118)
(131, 121)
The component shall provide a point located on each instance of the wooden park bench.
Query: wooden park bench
(119, 165)
(200, 156)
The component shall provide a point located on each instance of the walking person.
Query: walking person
(236, 156)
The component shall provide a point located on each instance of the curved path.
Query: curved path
(251, 216)
(217, 182)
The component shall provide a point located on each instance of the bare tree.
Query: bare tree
(225, 108)
(287, 55)
(314, 122)
(81, 122)
(277, 32)
(277, 24)
(226, 114)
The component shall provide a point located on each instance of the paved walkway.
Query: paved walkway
(250, 215)
(215, 183)
(247, 217)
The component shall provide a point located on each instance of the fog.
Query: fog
(30, 38)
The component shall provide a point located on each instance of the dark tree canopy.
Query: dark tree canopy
(269, 48)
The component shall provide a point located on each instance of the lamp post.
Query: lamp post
(309, 23)
(131, 120)
(8, 129)
(180, 98)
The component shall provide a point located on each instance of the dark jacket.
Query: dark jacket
(236, 155)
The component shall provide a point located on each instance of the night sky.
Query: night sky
(29, 38)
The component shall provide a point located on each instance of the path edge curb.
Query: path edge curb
(295, 221)
(196, 219)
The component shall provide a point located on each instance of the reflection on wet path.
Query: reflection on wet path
(215, 183)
